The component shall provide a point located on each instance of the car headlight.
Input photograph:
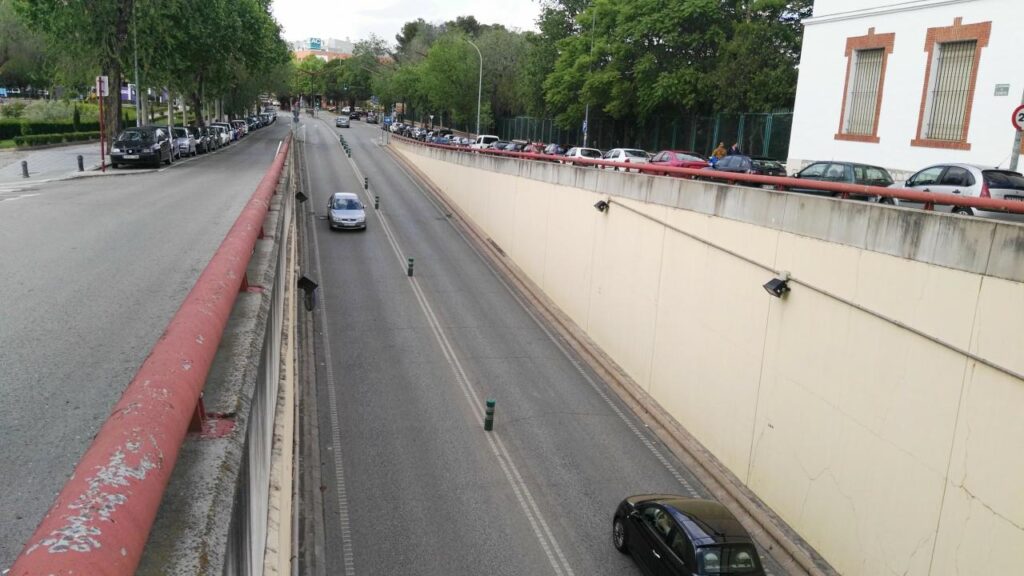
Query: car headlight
(115, 150)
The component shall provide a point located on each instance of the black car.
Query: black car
(845, 173)
(674, 535)
(148, 145)
(354, 115)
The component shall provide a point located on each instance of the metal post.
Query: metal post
(586, 114)
(366, 183)
(376, 202)
(135, 39)
(81, 164)
(479, 86)
(489, 415)
(408, 270)
(24, 169)
(1015, 153)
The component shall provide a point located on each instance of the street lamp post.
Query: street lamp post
(479, 85)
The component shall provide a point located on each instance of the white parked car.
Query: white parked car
(484, 141)
(627, 155)
(969, 181)
(579, 152)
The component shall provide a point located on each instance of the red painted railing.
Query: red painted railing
(929, 199)
(101, 519)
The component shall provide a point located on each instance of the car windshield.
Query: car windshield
(589, 153)
(136, 136)
(346, 204)
(728, 559)
(180, 133)
(635, 153)
(1004, 179)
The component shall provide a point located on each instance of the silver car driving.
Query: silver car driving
(344, 210)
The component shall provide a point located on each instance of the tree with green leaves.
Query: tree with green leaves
(95, 32)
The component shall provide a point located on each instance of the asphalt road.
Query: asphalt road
(412, 483)
(91, 271)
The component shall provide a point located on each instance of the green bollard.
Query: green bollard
(376, 202)
(408, 270)
(489, 415)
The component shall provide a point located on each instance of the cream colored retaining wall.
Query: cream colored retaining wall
(888, 452)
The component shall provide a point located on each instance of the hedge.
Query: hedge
(12, 127)
(41, 139)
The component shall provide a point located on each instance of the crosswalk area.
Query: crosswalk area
(10, 192)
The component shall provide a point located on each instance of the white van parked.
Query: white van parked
(483, 141)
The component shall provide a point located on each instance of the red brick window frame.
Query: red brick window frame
(958, 32)
(871, 41)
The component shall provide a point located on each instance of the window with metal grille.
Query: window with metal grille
(862, 99)
(948, 95)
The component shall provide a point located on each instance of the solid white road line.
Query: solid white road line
(339, 468)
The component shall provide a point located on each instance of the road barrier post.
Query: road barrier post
(376, 202)
(24, 169)
(81, 164)
(408, 270)
(366, 183)
(489, 415)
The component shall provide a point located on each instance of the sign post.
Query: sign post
(1018, 123)
(102, 91)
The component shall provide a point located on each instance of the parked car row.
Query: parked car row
(967, 180)
(153, 145)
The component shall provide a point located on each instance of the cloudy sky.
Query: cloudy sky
(335, 19)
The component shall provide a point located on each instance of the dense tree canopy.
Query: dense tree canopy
(630, 60)
(229, 50)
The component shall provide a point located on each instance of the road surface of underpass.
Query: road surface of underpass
(411, 482)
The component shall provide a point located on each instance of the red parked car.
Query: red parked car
(679, 159)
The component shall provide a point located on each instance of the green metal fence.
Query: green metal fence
(760, 134)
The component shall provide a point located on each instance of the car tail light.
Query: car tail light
(984, 189)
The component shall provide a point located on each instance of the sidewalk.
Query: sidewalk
(47, 163)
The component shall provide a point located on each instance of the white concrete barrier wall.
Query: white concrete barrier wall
(888, 452)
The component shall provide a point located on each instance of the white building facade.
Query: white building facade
(905, 84)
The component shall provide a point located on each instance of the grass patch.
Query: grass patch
(6, 144)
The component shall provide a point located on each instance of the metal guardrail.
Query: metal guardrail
(100, 521)
(928, 199)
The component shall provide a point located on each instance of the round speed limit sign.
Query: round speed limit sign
(1018, 118)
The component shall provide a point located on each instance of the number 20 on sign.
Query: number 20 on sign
(1018, 118)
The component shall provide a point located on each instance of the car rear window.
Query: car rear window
(1003, 179)
(635, 153)
(590, 153)
(728, 559)
(768, 164)
(687, 157)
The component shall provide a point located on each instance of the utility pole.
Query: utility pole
(479, 85)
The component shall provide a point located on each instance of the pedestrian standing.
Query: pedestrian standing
(734, 150)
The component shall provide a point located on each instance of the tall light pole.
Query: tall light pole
(479, 85)
(586, 114)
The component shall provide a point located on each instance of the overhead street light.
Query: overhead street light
(479, 85)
